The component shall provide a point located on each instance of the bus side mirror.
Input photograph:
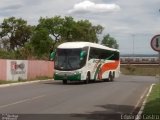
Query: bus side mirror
(52, 55)
(82, 55)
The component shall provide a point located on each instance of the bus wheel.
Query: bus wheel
(64, 81)
(87, 78)
(111, 77)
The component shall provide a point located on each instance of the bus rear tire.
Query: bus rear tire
(87, 78)
(64, 81)
(111, 77)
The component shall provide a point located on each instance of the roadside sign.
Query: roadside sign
(155, 43)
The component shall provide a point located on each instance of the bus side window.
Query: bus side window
(116, 55)
(93, 54)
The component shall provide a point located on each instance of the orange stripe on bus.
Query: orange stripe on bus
(109, 66)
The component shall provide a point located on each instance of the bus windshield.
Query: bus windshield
(69, 59)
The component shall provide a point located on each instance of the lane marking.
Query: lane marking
(22, 101)
(140, 100)
(144, 103)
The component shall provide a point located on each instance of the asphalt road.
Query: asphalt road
(75, 100)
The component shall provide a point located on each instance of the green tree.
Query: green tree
(98, 29)
(67, 29)
(85, 31)
(109, 41)
(24, 41)
(68, 32)
(27, 52)
(41, 42)
(54, 26)
(16, 31)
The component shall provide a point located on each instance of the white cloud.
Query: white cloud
(9, 4)
(88, 6)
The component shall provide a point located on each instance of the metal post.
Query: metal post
(133, 36)
(159, 66)
(159, 76)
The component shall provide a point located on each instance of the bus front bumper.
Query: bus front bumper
(74, 77)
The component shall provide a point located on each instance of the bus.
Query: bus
(85, 61)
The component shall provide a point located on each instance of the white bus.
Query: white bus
(85, 61)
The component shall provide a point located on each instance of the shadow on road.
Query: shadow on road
(110, 112)
(73, 83)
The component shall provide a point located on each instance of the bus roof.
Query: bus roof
(69, 45)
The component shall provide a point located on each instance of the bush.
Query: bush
(7, 55)
(131, 68)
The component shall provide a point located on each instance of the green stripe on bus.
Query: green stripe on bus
(76, 77)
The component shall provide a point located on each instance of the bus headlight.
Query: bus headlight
(77, 72)
(56, 73)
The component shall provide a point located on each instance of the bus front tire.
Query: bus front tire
(87, 78)
(64, 81)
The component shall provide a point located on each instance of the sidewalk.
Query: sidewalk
(23, 83)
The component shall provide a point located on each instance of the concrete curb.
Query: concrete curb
(23, 83)
(138, 116)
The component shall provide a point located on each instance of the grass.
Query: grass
(7, 82)
(140, 70)
(153, 102)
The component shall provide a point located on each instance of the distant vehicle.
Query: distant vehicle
(85, 61)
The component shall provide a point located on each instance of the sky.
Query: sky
(132, 23)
